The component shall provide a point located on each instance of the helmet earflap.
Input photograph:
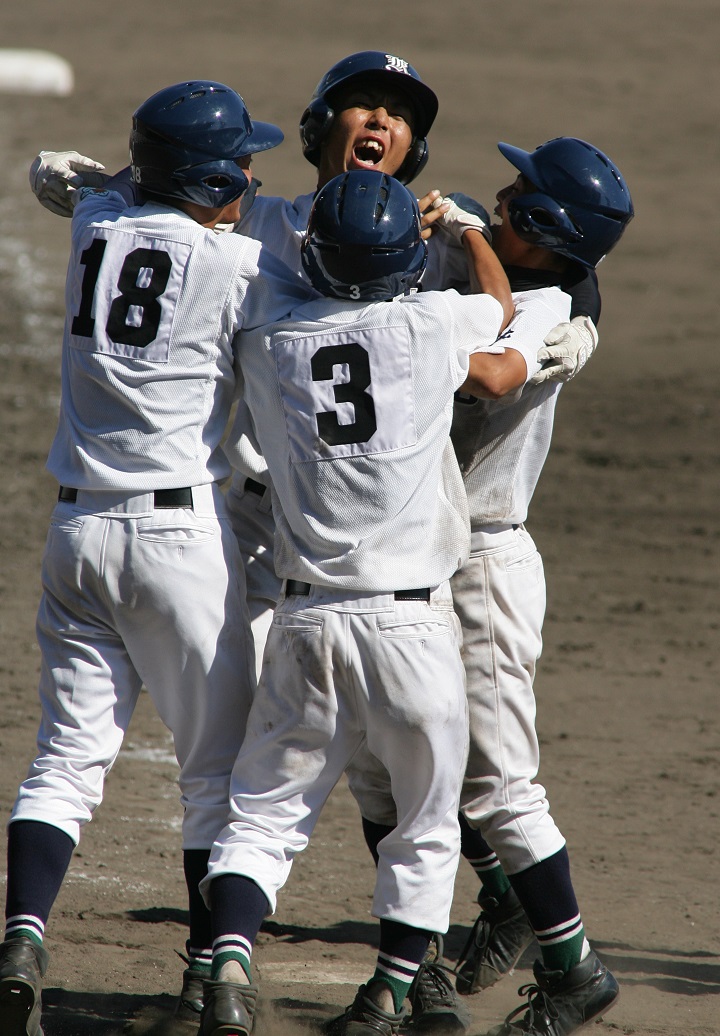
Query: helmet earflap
(415, 161)
(315, 124)
(540, 220)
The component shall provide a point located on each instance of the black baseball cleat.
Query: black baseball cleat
(22, 966)
(496, 943)
(228, 1009)
(364, 1018)
(436, 1009)
(562, 1002)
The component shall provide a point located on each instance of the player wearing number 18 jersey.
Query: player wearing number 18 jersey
(142, 579)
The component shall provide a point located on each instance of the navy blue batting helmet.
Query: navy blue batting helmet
(581, 204)
(371, 65)
(185, 139)
(363, 238)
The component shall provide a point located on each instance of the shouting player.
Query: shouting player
(142, 579)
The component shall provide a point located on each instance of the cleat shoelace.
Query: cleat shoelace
(539, 1007)
(436, 985)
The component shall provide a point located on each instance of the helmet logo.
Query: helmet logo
(394, 64)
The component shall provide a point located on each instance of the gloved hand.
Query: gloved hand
(464, 214)
(567, 349)
(55, 175)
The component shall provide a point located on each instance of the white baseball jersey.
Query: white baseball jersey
(502, 445)
(154, 302)
(351, 405)
(280, 225)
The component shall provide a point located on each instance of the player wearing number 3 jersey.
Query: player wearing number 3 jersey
(142, 578)
(351, 405)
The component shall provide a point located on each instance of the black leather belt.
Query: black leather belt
(300, 589)
(166, 498)
(251, 486)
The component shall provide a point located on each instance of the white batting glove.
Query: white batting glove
(468, 215)
(567, 349)
(56, 175)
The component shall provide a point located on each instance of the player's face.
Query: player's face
(508, 247)
(372, 129)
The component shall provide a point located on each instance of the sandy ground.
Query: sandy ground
(626, 514)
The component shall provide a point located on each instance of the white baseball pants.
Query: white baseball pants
(134, 595)
(344, 671)
(499, 598)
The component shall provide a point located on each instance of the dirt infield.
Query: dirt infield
(626, 514)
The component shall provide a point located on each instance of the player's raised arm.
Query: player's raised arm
(486, 273)
(55, 176)
(491, 375)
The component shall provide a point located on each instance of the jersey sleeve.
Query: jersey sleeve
(536, 313)
(475, 322)
(93, 205)
(268, 289)
(581, 284)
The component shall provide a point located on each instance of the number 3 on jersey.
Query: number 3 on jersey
(127, 297)
(347, 395)
(354, 390)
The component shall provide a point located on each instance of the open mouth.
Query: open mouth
(368, 153)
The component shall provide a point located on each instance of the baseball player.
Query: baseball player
(142, 579)
(567, 208)
(350, 402)
(371, 110)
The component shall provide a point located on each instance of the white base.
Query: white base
(34, 72)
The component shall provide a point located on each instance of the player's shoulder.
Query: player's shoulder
(95, 203)
(441, 301)
(551, 297)
(268, 208)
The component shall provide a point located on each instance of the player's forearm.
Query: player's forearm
(492, 376)
(486, 273)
